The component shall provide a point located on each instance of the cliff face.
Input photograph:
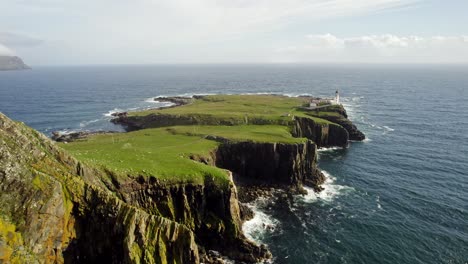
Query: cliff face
(10, 63)
(272, 164)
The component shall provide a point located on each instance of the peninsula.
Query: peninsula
(170, 190)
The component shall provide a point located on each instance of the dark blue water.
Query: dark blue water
(399, 197)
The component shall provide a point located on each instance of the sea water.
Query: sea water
(401, 196)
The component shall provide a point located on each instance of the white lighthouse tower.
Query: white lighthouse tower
(337, 97)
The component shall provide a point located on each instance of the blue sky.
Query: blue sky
(59, 32)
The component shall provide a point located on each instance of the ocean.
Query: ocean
(401, 196)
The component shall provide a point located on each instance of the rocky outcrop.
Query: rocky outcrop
(11, 63)
(323, 134)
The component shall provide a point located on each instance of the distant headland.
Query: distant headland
(12, 63)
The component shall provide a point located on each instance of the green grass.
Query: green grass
(256, 133)
(150, 152)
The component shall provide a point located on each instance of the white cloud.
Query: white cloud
(4, 51)
(167, 30)
(377, 48)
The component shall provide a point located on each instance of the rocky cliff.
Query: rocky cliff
(50, 213)
(56, 209)
(10, 63)
(337, 114)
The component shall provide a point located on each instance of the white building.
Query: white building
(337, 97)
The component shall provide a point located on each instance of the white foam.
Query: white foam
(151, 100)
(329, 192)
(328, 149)
(261, 224)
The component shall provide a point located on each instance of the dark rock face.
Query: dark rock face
(11, 63)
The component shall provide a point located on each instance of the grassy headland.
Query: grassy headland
(165, 152)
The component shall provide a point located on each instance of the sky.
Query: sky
(77, 32)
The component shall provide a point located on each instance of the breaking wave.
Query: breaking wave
(330, 190)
